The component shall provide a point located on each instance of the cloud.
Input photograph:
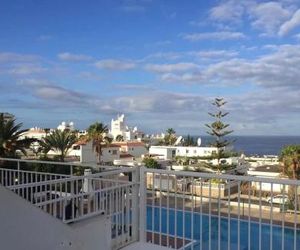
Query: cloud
(112, 64)
(277, 69)
(134, 87)
(48, 90)
(8, 57)
(159, 102)
(64, 98)
(134, 5)
(176, 67)
(26, 69)
(69, 57)
(268, 16)
(214, 53)
(291, 24)
(231, 11)
(44, 37)
(222, 35)
(164, 55)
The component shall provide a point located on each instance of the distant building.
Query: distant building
(169, 152)
(133, 148)
(87, 153)
(35, 133)
(119, 128)
(66, 126)
(267, 171)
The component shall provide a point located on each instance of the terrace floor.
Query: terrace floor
(144, 246)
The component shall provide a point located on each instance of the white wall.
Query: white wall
(24, 227)
(195, 151)
(166, 151)
(136, 151)
(88, 155)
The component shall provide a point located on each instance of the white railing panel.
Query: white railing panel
(189, 210)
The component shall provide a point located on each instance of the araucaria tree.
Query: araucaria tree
(170, 137)
(10, 141)
(218, 129)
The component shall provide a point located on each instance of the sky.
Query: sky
(160, 62)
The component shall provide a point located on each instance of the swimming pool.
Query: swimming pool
(280, 236)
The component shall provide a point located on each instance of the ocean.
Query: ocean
(257, 145)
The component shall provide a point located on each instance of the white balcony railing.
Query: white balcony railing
(189, 210)
(73, 198)
(180, 210)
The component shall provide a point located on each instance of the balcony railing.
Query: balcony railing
(189, 210)
(180, 210)
(73, 198)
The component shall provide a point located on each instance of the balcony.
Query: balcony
(157, 209)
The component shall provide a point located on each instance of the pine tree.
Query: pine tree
(218, 129)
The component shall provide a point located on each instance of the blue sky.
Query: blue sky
(159, 62)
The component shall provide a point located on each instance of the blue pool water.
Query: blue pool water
(201, 231)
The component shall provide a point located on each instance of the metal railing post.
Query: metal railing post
(135, 203)
(18, 164)
(71, 170)
(143, 205)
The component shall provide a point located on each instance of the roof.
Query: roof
(267, 168)
(111, 146)
(126, 156)
(84, 142)
(131, 144)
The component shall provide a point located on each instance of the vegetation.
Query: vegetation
(151, 163)
(218, 129)
(97, 133)
(290, 159)
(170, 137)
(189, 141)
(119, 138)
(10, 140)
(60, 141)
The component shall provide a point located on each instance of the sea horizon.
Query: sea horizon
(256, 145)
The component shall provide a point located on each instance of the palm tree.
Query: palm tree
(290, 158)
(60, 141)
(10, 140)
(97, 133)
(119, 138)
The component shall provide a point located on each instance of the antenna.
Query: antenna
(178, 141)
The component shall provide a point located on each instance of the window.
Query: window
(114, 152)
(187, 151)
(173, 153)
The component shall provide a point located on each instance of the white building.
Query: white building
(35, 133)
(87, 153)
(134, 148)
(119, 127)
(267, 171)
(169, 152)
(66, 126)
